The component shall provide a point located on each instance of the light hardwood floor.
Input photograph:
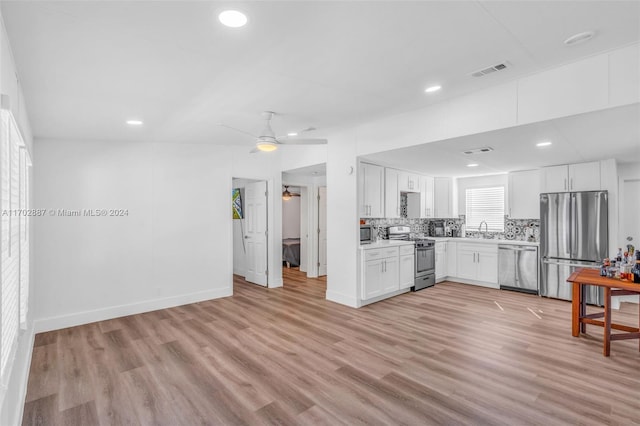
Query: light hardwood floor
(444, 355)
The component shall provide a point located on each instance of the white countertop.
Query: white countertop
(485, 241)
(385, 243)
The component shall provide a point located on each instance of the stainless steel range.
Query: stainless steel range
(425, 261)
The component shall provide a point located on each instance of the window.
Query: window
(14, 235)
(485, 204)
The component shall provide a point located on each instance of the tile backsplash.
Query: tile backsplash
(514, 229)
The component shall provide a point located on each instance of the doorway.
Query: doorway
(304, 222)
(250, 248)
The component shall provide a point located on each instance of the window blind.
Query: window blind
(13, 254)
(25, 163)
(485, 204)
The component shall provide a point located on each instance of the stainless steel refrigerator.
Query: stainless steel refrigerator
(574, 233)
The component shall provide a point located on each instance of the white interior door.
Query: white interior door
(304, 228)
(256, 232)
(322, 231)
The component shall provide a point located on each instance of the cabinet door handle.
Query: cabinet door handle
(571, 183)
(565, 184)
(474, 258)
(478, 257)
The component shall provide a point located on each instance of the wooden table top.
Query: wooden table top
(592, 277)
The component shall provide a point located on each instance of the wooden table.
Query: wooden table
(612, 287)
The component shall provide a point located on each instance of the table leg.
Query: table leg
(607, 322)
(583, 308)
(575, 310)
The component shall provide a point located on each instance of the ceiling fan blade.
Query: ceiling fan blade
(237, 130)
(303, 141)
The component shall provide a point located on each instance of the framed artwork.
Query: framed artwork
(236, 203)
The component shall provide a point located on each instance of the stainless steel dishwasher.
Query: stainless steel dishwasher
(518, 268)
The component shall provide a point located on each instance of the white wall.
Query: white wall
(169, 249)
(342, 219)
(291, 215)
(12, 396)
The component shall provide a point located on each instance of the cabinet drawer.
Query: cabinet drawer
(408, 249)
(478, 247)
(380, 253)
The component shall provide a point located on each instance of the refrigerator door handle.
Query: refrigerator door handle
(569, 263)
(573, 231)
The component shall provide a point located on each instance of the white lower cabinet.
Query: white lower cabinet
(441, 259)
(452, 258)
(478, 262)
(386, 270)
(381, 272)
(407, 266)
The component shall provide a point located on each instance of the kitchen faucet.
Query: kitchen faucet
(486, 228)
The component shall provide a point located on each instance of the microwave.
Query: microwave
(367, 234)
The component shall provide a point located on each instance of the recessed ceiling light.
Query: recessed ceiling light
(545, 143)
(292, 134)
(472, 165)
(135, 122)
(432, 89)
(233, 18)
(579, 38)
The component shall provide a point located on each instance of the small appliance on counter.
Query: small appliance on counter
(367, 234)
(438, 228)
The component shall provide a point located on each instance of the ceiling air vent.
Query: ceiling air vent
(478, 150)
(489, 70)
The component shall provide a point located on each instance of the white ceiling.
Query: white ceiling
(315, 170)
(86, 67)
(613, 133)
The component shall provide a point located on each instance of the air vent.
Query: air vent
(478, 150)
(489, 70)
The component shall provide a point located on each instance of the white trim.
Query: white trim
(342, 298)
(86, 317)
(19, 376)
(384, 296)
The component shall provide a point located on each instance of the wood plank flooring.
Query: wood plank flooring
(446, 355)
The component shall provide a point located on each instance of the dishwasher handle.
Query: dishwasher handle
(516, 248)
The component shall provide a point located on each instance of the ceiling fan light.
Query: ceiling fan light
(266, 146)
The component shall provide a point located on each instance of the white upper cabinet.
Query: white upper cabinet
(524, 195)
(443, 199)
(567, 90)
(409, 182)
(391, 193)
(371, 189)
(572, 177)
(624, 76)
(426, 197)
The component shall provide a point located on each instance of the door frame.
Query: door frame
(312, 223)
(274, 235)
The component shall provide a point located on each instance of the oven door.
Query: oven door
(425, 260)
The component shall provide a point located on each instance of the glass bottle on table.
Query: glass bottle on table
(635, 272)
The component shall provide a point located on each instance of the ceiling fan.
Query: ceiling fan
(267, 140)
(286, 194)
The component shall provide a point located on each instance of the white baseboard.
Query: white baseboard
(384, 296)
(472, 282)
(14, 396)
(343, 299)
(86, 317)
